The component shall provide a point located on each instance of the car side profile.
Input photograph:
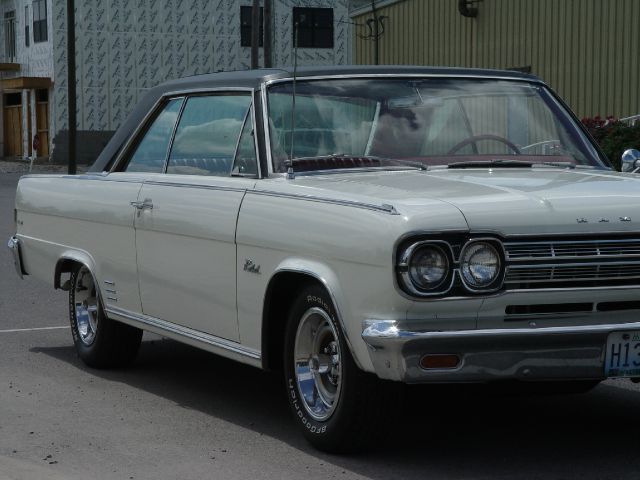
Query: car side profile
(355, 227)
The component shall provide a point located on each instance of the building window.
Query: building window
(10, 36)
(315, 27)
(39, 21)
(27, 39)
(245, 27)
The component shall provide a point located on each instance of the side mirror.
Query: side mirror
(630, 160)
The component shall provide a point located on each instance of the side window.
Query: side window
(246, 162)
(151, 153)
(207, 135)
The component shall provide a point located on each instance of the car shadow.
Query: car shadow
(442, 431)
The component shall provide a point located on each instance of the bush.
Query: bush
(613, 136)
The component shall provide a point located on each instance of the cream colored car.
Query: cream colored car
(357, 228)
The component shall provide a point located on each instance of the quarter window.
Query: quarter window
(39, 21)
(208, 134)
(315, 27)
(151, 153)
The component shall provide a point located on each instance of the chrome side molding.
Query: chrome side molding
(185, 332)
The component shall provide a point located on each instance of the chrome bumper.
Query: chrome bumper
(550, 353)
(14, 246)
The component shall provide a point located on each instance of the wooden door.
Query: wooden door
(12, 120)
(42, 122)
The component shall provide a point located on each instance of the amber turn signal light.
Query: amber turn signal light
(434, 361)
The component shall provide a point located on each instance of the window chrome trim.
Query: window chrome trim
(173, 134)
(403, 75)
(168, 183)
(247, 116)
(190, 333)
(267, 83)
(266, 126)
(163, 98)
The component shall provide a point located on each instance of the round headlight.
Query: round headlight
(428, 267)
(480, 264)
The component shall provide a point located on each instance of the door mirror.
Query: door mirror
(630, 160)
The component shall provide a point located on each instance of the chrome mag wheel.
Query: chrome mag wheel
(317, 363)
(86, 307)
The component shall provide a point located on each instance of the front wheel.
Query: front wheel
(100, 341)
(338, 406)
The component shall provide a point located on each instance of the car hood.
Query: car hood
(507, 201)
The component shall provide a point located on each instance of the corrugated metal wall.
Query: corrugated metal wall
(587, 50)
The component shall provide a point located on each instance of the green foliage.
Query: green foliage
(613, 136)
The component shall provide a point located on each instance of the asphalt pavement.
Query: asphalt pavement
(180, 413)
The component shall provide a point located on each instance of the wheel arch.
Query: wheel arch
(66, 263)
(285, 283)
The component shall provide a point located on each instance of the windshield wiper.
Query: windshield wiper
(342, 156)
(491, 163)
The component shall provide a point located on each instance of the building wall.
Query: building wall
(587, 50)
(36, 60)
(124, 48)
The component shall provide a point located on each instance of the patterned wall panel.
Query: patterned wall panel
(125, 48)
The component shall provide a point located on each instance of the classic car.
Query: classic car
(358, 228)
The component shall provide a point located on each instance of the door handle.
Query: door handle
(146, 204)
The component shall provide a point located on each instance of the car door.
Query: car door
(111, 196)
(186, 221)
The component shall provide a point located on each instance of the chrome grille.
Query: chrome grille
(572, 249)
(572, 263)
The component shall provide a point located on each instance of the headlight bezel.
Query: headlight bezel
(454, 285)
(404, 265)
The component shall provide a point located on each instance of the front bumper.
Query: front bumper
(550, 353)
(14, 246)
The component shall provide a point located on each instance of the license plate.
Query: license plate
(623, 354)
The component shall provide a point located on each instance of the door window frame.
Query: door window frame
(129, 147)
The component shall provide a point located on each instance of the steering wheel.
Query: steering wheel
(477, 138)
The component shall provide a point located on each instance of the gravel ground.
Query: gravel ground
(10, 166)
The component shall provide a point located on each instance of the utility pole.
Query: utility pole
(268, 34)
(255, 34)
(71, 84)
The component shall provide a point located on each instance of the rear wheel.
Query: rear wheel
(339, 407)
(99, 341)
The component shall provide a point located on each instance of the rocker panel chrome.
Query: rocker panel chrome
(177, 330)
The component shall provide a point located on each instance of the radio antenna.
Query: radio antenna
(290, 173)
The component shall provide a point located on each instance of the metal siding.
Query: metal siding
(587, 50)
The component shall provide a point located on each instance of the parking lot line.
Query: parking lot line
(13, 330)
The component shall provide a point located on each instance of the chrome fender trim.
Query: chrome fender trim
(14, 246)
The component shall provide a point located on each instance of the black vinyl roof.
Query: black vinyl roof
(254, 78)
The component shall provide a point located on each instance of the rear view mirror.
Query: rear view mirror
(630, 160)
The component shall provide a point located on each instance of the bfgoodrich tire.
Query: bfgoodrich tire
(99, 341)
(339, 407)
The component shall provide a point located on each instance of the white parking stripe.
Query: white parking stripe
(13, 330)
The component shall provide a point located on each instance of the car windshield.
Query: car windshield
(454, 122)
